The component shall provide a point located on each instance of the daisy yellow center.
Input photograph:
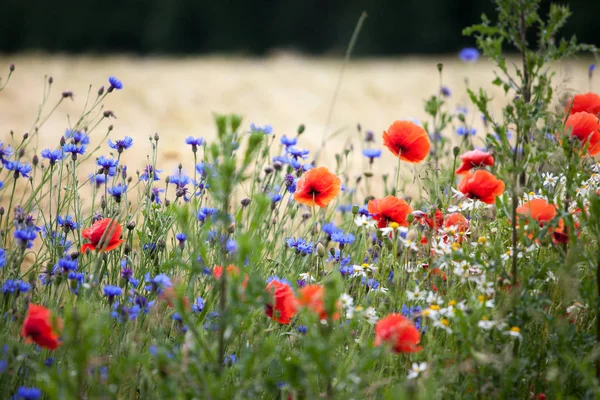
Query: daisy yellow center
(482, 240)
(444, 321)
(481, 298)
(452, 303)
(365, 265)
(394, 225)
(515, 329)
(435, 307)
(455, 246)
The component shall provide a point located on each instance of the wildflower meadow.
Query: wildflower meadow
(262, 271)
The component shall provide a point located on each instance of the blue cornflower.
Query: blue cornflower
(306, 248)
(275, 197)
(198, 305)
(364, 211)
(77, 276)
(121, 144)
(20, 169)
(229, 360)
(206, 212)
(158, 283)
(1, 184)
(67, 264)
(194, 142)
(77, 137)
(28, 393)
(469, 54)
(300, 245)
(112, 291)
(155, 196)
(231, 246)
(108, 164)
(370, 283)
(97, 179)
(2, 258)
(67, 222)
(117, 191)
(290, 183)
(342, 238)
(74, 150)
(287, 142)
(302, 329)
(182, 237)
(372, 154)
(180, 180)
(53, 155)
(5, 153)
(344, 208)
(12, 286)
(114, 84)
(267, 129)
(149, 171)
(296, 153)
(25, 236)
(330, 229)
(591, 70)
(445, 91)
(347, 270)
(464, 131)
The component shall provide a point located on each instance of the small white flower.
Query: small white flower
(549, 179)
(515, 332)
(434, 298)
(370, 315)
(346, 301)
(364, 221)
(409, 244)
(486, 325)
(442, 324)
(307, 277)
(551, 277)
(447, 311)
(415, 295)
(416, 369)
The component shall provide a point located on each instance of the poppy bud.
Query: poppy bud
(301, 128)
(456, 151)
(440, 67)
(410, 218)
(167, 180)
(355, 210)
(320, 250)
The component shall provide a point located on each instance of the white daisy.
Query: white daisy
(416, 369)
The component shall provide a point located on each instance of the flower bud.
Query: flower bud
(301, 128)
(321, 250)
(355, 210)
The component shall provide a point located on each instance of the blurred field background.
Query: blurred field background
(175, 97)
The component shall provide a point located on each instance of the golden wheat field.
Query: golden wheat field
(176, 97)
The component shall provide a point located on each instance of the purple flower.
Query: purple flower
(267, 129)
(114, 84)
(53, 155)
(121, 144)
(20, 169)
(469, 55)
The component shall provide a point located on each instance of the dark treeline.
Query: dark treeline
(253, 27)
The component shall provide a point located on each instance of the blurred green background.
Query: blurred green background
(254, 27)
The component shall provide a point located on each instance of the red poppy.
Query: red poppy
(539, 210)
(458, 220)
(407, 140)
(312, 297)
(389, 209)
(587, 102)
(585, 127)
(481, 185)
(317, 187)
(284, 305)
(399, 332)
(38, 328)
(474, 158)
(440, 273)
(104, 235)
(232, 270)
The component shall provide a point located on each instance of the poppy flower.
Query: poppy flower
(585, 127)
(104, 235)
(398, 331)
(38, 328)
(587, 102)
(232, 270)
(458, 220)
(389, 209)
(317, 187)
(312, 297)
(481, 185)
(407, 140)
(474, 158)
(283, 306)
(539, 210)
